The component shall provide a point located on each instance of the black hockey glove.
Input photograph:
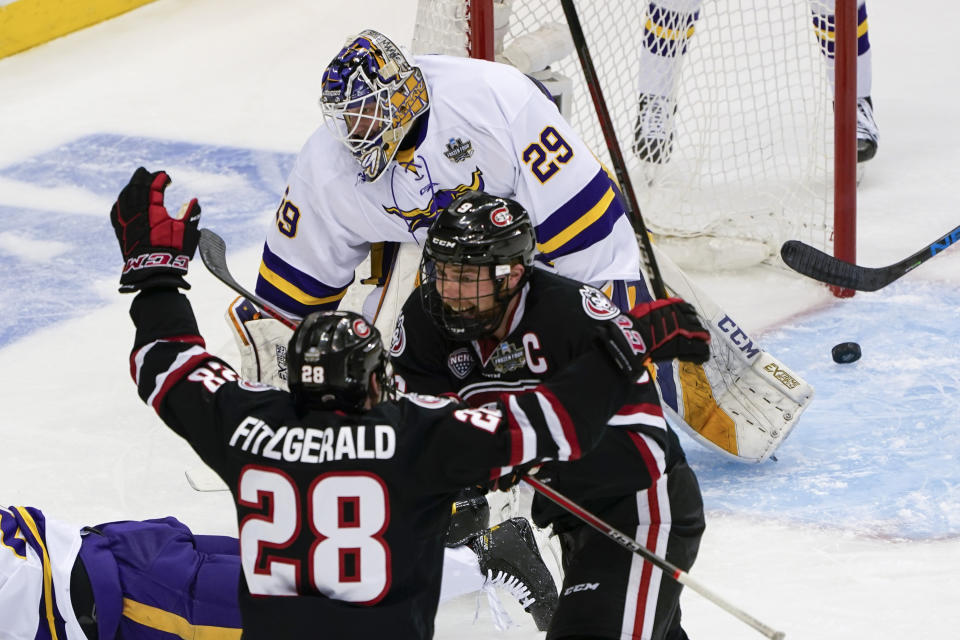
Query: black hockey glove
(156, 247)
(504, 482)
(657, 331)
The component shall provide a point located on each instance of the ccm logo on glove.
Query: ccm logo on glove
(159, 259)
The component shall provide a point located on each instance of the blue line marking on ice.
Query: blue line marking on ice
(54, 247)
(878, 450)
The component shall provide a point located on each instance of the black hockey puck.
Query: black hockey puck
(846, 352)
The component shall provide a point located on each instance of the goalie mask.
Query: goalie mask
(370, 98)
(468, 259)
(331, 357)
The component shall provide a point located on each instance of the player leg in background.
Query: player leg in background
(667, 29)
(609, 592)
(824, 23)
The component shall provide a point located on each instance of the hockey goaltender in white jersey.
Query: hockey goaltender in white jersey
(401, 141)
(506, 139)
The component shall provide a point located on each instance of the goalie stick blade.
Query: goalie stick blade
(816, 264)
(213, 253)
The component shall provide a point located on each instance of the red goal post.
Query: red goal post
(761, 149)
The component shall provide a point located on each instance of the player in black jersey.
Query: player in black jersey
(342, 492)
(483, 323)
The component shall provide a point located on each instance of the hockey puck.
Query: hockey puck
(846, 352)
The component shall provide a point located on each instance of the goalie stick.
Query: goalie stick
(213, 252)
(818, 265)
(668, 568)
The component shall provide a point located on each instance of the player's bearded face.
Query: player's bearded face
(466, 289)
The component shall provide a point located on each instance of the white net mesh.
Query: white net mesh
(442, 26)
(735, 152)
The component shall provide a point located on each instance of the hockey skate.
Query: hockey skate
(868, 135)
(653, 133)
(510, 559)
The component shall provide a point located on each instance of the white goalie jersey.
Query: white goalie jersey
(488, 127)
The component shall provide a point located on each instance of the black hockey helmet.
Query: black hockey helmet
(330, 359)
(476, 229)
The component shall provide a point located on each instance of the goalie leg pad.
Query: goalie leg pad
(745, 385)
(262, 343)
(701, 412)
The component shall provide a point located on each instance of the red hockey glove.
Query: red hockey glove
(156, 247)
(658, 330)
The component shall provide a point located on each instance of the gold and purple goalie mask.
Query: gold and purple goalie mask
(370, 97)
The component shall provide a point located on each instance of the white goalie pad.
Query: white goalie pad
(753, 400)
(262, 343)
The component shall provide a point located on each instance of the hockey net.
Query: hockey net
(747, 159)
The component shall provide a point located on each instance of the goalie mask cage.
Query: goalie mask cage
(759, 154)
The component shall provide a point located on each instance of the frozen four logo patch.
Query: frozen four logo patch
(458, 150)
(597, 305)
(460, 362)
(508, 357)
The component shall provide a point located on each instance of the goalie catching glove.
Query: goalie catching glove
(656, 331)
(156, 246)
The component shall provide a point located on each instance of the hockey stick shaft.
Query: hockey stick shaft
(613, 146)
(213, 252)
(818, 265)
(667, 567)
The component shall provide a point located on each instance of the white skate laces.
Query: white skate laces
(513, 585)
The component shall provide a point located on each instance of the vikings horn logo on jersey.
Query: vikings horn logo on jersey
(596, 305)
(417, 218)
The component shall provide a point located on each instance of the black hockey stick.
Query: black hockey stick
(668, 568)
(613, 146)
(818, 265)
(213, 252)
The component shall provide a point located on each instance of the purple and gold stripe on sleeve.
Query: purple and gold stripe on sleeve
(585, 219)
(667, 32)
(32, 526)
(292, 290)
(825, 26)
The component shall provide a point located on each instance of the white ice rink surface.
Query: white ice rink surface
(879, 453)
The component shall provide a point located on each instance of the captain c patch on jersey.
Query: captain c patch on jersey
(596, 305)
